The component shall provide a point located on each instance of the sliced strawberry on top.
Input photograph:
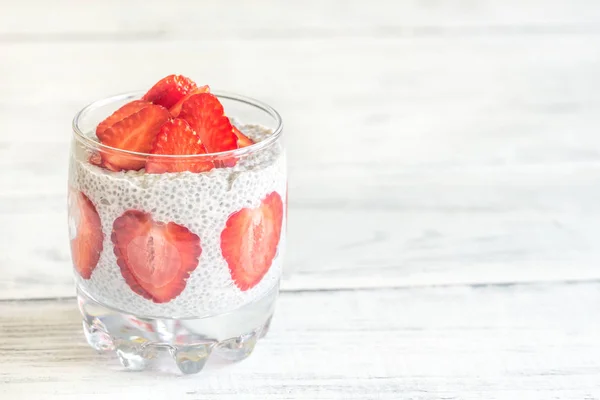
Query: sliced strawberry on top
(169, 90)
(242, 140)
(250, 239)
(155, 258)
(176, 108)
(85, 231)
(119, 115)
(134, 133)
(177, 138)
(95, 159)
(206, 116)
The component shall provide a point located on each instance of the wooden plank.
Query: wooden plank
(38, 20)
(496, 102)
(450, 160)
(494, 342)
(435, 102)
(529, 226)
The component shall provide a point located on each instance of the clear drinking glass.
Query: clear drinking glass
(161, 260)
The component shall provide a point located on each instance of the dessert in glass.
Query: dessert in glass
(177, 216)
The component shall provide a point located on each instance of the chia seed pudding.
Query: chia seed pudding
(177, 220)
(201, 202)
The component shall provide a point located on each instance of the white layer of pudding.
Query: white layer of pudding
(202, 202)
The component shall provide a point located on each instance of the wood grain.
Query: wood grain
(492, 342)
(451, 160)
(60, 20)
(443, 154)
(358, 249)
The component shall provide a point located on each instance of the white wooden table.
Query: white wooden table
(444, 182)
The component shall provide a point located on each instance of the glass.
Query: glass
(186, 262)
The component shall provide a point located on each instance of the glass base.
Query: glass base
(138, 341)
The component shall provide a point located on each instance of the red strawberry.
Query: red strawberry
(206, 116)
(110, 167)
(177, 138)
(119, 115)
(250, 239)
(155, 258)
(242, 140)
(86, 233)
(169, 90)
(135, 132)
(176, 108)
(95, 159)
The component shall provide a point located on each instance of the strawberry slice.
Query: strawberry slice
(119, 115)
(135, 132)
(242, 140)
(250, 239)
(176, 108)
(86, 234)
(155, 258)
(177, 138)
(206, 116)
(169, 90)
(95, 159)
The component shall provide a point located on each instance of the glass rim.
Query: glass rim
(79, 135)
